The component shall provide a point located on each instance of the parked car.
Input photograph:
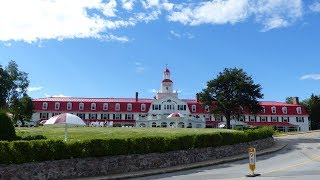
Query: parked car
(26, 124)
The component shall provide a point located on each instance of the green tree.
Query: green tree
(7, 131)
(22, 109)
(312, 105)
(230, 92)
(289, 100)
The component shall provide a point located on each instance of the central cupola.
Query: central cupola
(166, 86)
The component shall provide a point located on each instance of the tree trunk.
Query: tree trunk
(228, 122)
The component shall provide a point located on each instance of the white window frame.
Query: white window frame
(117, 117)
(93, 116)
(56, 105)
(284, 110)
(285, 119)
(129, 107)
(81, 115)
(81, 106)
(193, 108)
(274, 119)
(299, 110)
(69, 105)
(143, 107)
(105, 116)
(93, 106)
(44, 115)
(273, 110)
(117, 106)
(300, 119)
(129, 116)
(44, 105)
(263, 119)
(105, 106)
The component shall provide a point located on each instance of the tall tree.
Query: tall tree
(289, 100)
(312, 105)
(230, 92)
(22, 109)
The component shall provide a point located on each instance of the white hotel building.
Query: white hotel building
(166, 110)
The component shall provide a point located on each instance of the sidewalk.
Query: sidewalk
(277, 147)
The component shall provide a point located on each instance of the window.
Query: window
(299, 110)
(193, 108)
(156, 107)
(300, 119)
(57, 106)
(274, 119)
(81, 106)
(117, 107)
(285, 119)
(284, 110)
(263, 109)
(154, 124)
(117, 116)
(105, 116)
(129, 107)
(252, 118)
(81, 115)
(105, 106)
(163, 124)
(207, 108)
(93, 106)
(54, 114)
(273, 110)
(69, 106)
(142, 125)
(43, 115)
(44, 105)
(242, 118)
(129, 117)
(92, 116)
(182, 107)
(143, 107)
(263, 119)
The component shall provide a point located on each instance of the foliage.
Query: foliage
(7, 130)
(13, 88)
(312, 105)
(29, 151)
(30, 137)
(230, 92)
(289, 100)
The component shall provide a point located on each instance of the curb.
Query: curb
(277, 147)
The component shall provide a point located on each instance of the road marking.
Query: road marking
(284, 168)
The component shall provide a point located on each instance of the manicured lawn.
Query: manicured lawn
(77, 133)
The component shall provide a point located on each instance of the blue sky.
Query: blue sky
(95, 48)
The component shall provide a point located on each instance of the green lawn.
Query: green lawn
(76, 133)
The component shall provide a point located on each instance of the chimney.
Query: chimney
(295, 100)
(137, 96)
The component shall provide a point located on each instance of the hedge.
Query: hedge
(41, 150)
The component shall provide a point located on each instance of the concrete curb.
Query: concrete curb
(277, 147)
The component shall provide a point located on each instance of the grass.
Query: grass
(80, 133)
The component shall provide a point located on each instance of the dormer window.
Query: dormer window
(57, 106)
(206, 108)
(273, 110)
(129, 107)
(93, 106)
(81, 106)
(117, 106)
(44, 105)
(105, 106)
(299, 111)
(143, 107)
(69, 106)
(193, 108)
(284, 110)
(263, 109)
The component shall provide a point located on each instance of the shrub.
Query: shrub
(31, 137)
(7, 131)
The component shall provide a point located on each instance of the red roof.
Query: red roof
(286, 124)
(96, 100)
(167, 70)
(166, 80)
(274, 103)
(213, 122)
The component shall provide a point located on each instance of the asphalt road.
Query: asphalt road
(300, 159)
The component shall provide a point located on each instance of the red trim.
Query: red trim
(286, 124)
(166, 80)
(114, 121)
(213, 122)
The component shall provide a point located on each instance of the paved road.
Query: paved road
(299, 160)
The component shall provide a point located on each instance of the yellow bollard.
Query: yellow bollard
(252, 162)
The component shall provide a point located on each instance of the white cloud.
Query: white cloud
(59, 95)
(128, 4)
(139, 67)
(112, 37)
(7, 44)
(150, 3)
(181, 35)
(270, 13)
(109, 9)
(310, 76)
(31, 89)
(152, 90)
(315, 7)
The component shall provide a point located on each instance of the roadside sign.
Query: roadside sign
(252, 159)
